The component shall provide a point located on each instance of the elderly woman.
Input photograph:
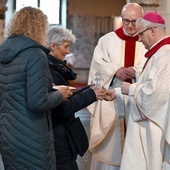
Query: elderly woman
(26, 96)
(66, 144)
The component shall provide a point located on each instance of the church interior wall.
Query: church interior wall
(89, 20)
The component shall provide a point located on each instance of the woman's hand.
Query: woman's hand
(65, 91)
(103, 94)
(99, 92)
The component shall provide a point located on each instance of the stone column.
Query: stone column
(3, 8)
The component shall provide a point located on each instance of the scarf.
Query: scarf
(61, 67)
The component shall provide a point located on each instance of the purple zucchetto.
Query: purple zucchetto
(154, 17)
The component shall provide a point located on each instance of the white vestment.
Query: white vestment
(147, 143)
(105, 132)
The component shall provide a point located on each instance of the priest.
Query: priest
(147, 144)
(118, 56)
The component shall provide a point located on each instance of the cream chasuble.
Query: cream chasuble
(105, 133)
(147, 143)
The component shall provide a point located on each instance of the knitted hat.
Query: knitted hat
(154, 17)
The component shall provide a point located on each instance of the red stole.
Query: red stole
(153, 50)
(130, 45)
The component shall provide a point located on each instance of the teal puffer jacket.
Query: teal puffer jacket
(26, 98)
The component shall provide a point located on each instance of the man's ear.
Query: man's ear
(153, 30)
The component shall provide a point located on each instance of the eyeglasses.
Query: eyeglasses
(142, 32)
(126, 21)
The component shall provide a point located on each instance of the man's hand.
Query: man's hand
(125, 88)
(110, 95)
(125, 73)
(131, 72)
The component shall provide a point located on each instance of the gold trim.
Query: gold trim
(122, 132)
(136, 53)
(122, 57)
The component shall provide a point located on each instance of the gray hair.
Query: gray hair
(58, 35)
(147, 24)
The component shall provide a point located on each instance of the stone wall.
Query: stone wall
(87, 29)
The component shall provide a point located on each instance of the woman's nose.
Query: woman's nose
(68, 50)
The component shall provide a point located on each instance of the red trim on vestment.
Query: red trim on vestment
(153, 50)
(130, 45)
(119, 32)
(129, 53)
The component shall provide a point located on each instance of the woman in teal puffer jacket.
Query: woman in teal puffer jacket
(26, 97)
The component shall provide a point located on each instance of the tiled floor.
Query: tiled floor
(84, 162)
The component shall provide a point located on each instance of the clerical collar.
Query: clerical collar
(158, 42)
(124, 31)
(121, 34)
(157, 46)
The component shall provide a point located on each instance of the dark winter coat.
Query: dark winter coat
(26, 140)
(64, 113)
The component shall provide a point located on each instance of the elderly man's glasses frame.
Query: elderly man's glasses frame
(127, 21)
(142, 32)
